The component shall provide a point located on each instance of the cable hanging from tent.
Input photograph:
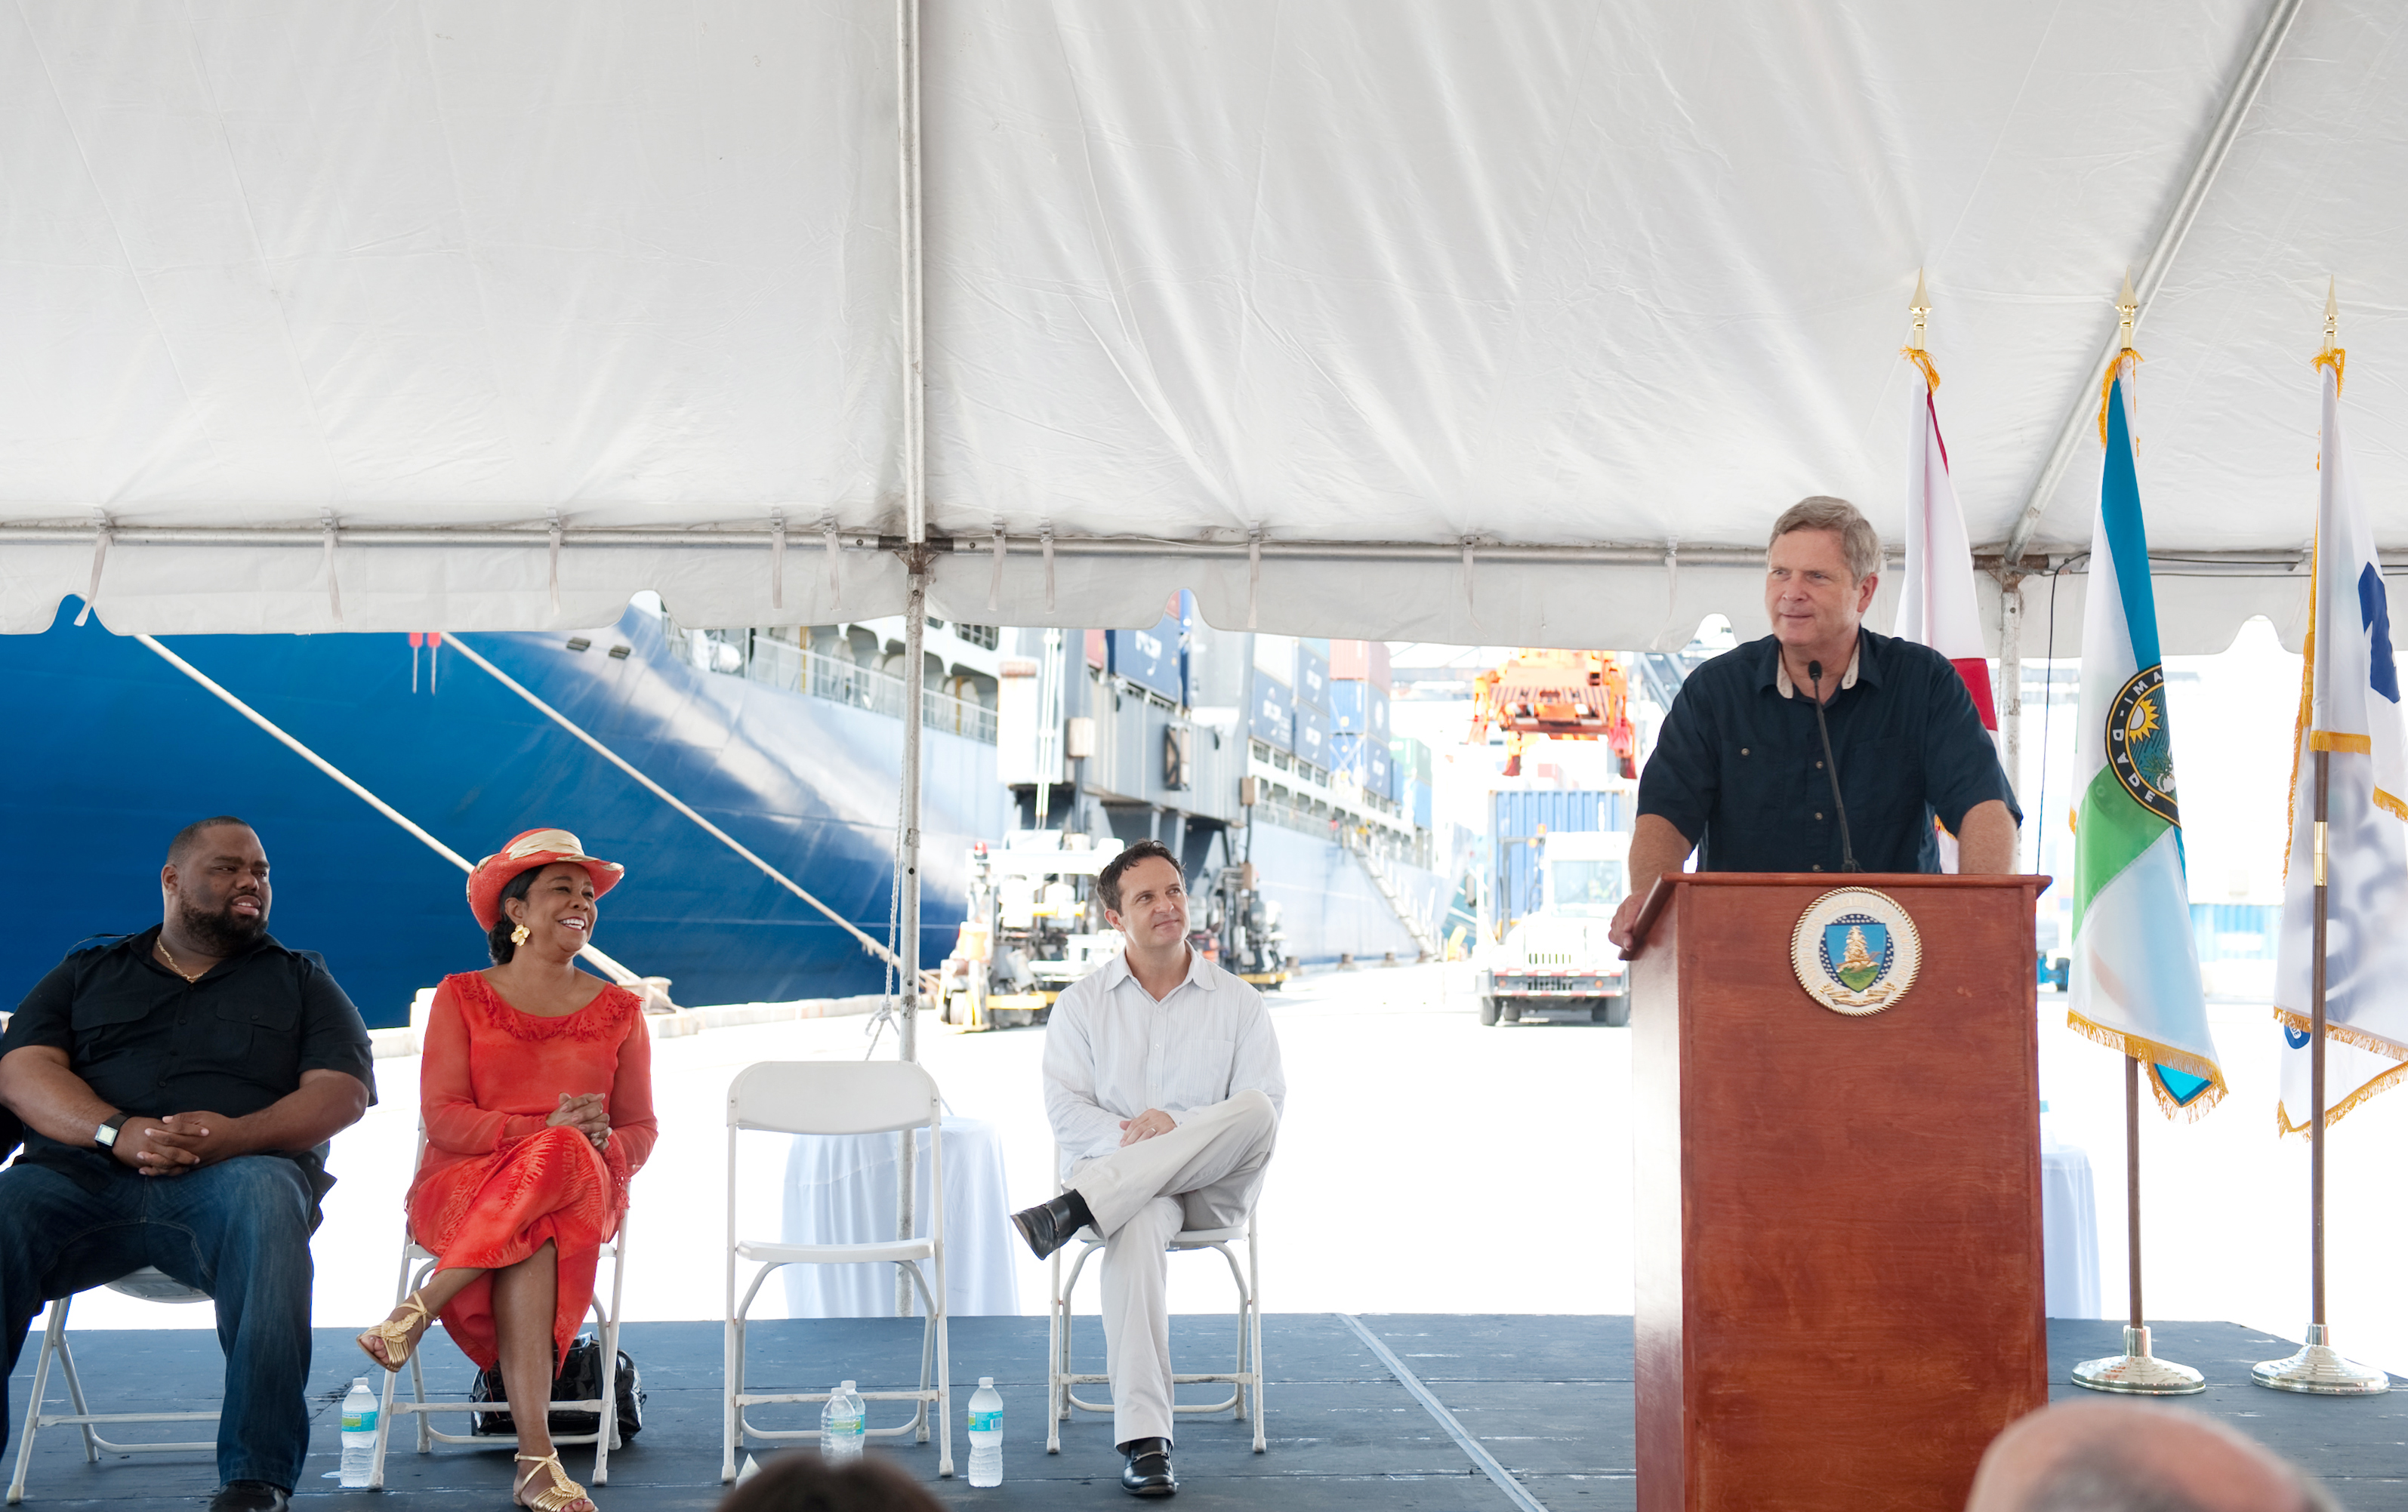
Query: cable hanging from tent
(99, 559)
(776, 559)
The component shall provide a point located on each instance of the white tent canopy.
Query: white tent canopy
(1510, 323)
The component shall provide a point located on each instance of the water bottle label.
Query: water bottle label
(360, 1423)
(844, 1425)
(987, 1422)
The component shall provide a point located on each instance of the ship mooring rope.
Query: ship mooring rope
(616, 971)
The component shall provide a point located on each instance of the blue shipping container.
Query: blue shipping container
(1420, 804)
(1311, 679)
(1347, 753)
(1312, 736)
(1151, 658)
(1273, 718)
(1379, 772)
(1516, 821)
(1359, 707)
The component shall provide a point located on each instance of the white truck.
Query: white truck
(1558, 961)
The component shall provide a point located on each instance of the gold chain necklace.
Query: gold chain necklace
(161, 946)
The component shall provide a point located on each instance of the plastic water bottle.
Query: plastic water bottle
(841, 1426)
(986, 1434)
(359, 1434)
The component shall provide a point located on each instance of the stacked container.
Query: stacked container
(1358, 715)
(1271, 717)
(1313, 727)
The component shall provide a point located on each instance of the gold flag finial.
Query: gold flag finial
(2127, 304)
(1920, 308)
(2332, 356)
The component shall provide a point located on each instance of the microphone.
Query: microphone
(1831, 765)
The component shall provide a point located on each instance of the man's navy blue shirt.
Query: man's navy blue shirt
(1738, 767)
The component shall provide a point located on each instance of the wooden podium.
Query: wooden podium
(1839, 1298)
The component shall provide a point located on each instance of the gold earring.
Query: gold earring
(519, 935)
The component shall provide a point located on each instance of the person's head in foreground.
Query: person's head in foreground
(2136, 1457)
(801, 1481)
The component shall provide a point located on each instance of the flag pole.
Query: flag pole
(2137, 1371)
(2319, 1369)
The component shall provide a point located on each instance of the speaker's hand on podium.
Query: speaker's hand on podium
(1625, 920)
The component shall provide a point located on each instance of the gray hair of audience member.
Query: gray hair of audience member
(1858, 541)
(801, 1481)
(2110, 1456)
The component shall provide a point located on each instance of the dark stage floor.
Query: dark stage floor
(1548, 1397)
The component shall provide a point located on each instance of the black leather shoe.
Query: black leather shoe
(1148, 1471)
(1048, 1226)
(252, 1496)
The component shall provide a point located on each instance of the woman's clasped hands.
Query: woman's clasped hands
(588, 1113)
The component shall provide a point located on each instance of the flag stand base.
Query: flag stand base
(2139, 1372)
(2320, 1370)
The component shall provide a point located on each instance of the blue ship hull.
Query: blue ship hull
(112, 750)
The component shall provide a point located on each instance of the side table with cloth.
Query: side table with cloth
(2069, 1223)
(840, 1189)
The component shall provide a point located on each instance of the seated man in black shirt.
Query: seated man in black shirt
(178, 1087)
(1737, 772)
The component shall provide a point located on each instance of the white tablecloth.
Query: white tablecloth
(2069, 1222)
(840, 1190)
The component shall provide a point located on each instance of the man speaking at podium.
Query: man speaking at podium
(1742, 771)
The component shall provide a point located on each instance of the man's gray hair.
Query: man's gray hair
(1858, 540)
(2098, 1477)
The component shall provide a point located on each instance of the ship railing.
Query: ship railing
(758, 656)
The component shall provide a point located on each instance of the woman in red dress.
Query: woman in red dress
(536, 1089)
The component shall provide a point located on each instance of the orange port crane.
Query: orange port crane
(1563, 695)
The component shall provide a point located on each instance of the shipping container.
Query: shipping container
(1272, 718)
(1150, 659)
(1380, 772)
(1312, 736)
(1414, 761)
(1358, 709)
(1361, 660)
(1418, 800)
(1517, 822)
(1311, 679)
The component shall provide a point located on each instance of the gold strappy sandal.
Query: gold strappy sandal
(394, 1333)
(562, 1494)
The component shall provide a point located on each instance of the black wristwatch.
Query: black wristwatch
(106, 1133)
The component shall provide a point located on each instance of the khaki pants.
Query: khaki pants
(1202, 1175)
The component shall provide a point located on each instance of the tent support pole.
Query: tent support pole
(2212, 153)
(918, 557)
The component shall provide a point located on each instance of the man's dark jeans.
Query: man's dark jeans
(238, 1231)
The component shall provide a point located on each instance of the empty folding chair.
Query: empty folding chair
(840, 1097)
(151, 1285)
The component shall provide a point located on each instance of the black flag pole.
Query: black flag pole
(2318, 1369)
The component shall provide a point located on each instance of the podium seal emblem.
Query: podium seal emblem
(1855, 951)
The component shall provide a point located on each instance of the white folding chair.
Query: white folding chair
(840, 1097)
(419, 1262)
(1245, 1382)
(149, 1284)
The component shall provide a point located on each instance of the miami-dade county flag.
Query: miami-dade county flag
(2135, 983)
(1936, 606)
(2349, 707)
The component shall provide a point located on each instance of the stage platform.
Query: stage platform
(1549, 1398)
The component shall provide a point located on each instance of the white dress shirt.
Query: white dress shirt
(1111, 1051)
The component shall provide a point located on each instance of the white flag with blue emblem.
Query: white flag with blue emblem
(2349, 707)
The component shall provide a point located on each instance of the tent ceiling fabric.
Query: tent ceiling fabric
(1534, 275)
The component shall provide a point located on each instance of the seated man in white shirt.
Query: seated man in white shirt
(1162, 1080)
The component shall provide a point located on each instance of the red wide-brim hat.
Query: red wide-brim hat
(524, 854)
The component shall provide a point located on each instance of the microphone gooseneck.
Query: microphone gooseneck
(1831, 767)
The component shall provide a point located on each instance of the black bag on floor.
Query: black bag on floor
(580, 1380)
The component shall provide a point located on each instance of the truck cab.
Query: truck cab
(1557, 963)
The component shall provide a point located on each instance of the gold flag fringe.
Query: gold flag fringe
(2337, 359)
(2138, 1049)
(2346, 1033)
(2307, 702)
(2356, 1038)
(1923, 359)
(2107, 386)
(2283, 1125)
